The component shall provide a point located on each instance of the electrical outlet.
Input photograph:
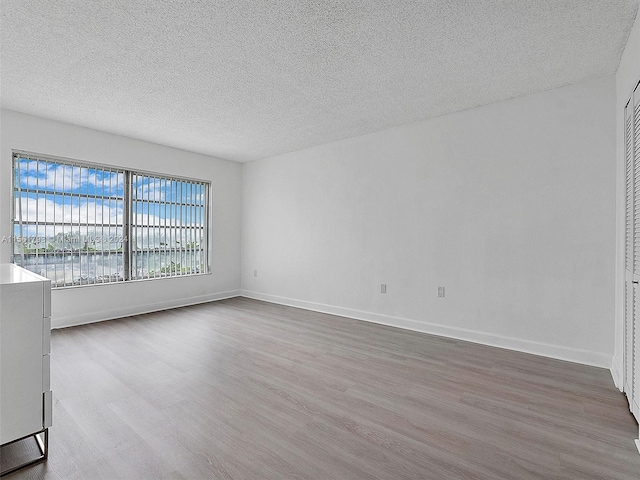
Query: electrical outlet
(383, 288)
(440, 291)
(255, 273)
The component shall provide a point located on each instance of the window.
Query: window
(84, 224)
(167, 226)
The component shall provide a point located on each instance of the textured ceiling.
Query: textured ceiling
(248, 79)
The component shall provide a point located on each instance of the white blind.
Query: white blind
(634, 320)
(168, 220)
(68, 223)
(629, 188)
(83, 224)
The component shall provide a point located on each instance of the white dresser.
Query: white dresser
(25, 338)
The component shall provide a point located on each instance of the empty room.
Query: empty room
(303, 239)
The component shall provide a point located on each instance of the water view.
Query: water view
(87, 268)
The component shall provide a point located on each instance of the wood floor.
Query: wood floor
(241, 389)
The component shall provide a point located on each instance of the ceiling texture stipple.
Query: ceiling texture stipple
(249, 79)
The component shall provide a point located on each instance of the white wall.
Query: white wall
(99, 302)
(626, 79)
(510, 206)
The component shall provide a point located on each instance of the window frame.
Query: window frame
(127, 226)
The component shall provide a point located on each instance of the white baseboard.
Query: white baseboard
(586, 357)
(141, 309)
(616, 373)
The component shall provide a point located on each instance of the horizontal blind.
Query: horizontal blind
(629, 291)
(629, 187)
(636, 182)
(634, 394)
(633, 328)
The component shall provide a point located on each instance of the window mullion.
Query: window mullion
(127, 229)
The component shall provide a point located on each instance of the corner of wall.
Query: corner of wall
(616, 373)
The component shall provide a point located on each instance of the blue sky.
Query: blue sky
(57, 181)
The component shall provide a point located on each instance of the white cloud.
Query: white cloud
(55, 176)
(88, 211)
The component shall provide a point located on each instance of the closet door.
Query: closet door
(634, 320)
(632, 254)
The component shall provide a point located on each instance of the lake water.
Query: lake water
(84, 268)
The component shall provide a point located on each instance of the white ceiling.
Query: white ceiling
(248, 79)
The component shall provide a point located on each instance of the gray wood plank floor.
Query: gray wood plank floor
(241, 389)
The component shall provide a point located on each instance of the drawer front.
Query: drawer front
(47, 409)
(46, 336)
(46, 373)
(46, 300)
